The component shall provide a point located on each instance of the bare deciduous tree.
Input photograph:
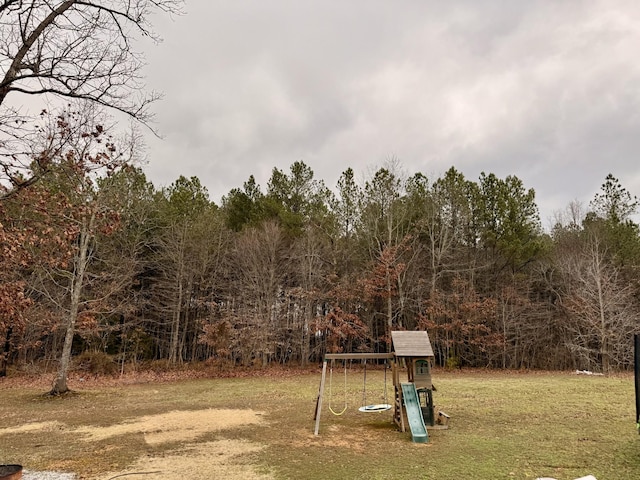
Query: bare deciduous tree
(600, 303)
(310, 264)
(259, 270)
(73, 49)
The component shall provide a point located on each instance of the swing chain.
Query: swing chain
(345, 389)
(373, 408)
(364, 384)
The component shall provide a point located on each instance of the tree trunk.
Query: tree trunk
(175, 326)
(4, 356)
(604, 346)
(175, 330)
(389, 313)
(77, 281)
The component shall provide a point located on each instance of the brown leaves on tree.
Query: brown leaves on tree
(341, 329)
(383, 279)
(217, 335)
(461, 322)
(40, 225)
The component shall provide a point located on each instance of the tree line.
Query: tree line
(97, 259)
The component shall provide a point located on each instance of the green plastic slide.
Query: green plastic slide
(414, 413)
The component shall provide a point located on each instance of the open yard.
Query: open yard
(503, 426)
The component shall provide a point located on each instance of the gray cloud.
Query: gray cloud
(546, 91)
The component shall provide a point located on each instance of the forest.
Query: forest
(97, 260)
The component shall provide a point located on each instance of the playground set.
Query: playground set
(413, 398)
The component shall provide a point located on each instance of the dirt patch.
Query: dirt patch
(176, 426)
(32, 427)
(227, 459)
(220, 459)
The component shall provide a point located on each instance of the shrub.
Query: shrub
(97, 363)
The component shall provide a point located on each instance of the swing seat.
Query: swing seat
(379, 407)
(337, 414)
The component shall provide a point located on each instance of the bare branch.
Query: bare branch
(72, 49)
(10, 5)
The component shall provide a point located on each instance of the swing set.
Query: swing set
(412, 398)
(367, 408)
(379, 407)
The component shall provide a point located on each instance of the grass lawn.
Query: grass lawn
(503, 426)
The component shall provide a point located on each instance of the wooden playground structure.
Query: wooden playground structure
(412, 355)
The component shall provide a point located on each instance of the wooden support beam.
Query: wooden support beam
(358, 356)
(319, 400)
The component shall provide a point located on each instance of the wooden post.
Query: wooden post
(320, 393)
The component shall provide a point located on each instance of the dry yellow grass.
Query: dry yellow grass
(504, 425)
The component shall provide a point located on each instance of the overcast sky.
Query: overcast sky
(545, 90)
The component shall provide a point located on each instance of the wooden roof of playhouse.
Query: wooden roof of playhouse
(411, 344)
